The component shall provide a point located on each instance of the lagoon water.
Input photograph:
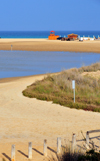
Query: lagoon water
(24, 63)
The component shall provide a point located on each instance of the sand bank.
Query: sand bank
(50, 45)
(24, 119)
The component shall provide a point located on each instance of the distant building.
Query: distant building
(73, 36)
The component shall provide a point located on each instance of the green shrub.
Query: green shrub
(58, 88)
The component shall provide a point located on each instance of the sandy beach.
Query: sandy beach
(29, 55)
(50, 45)
(24, 120)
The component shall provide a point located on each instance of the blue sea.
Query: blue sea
(25, 63)
(44, 34)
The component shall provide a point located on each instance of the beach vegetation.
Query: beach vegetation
(79, 153)
(66, 155)
(58, 89)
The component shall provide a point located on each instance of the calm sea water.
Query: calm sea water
(24, 63)
(44, 34)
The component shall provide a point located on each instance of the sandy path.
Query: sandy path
(50, 45)
(23, 119)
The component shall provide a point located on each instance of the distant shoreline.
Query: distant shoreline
(49, 45)
(11, 79)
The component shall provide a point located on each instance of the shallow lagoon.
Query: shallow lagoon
(24, 63)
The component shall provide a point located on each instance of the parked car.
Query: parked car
(67, 39)
(59, 38)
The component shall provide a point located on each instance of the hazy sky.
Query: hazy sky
(62, 15)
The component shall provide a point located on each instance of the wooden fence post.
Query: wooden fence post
(87, 139)
(58, 145)
(30, 150)
(13, 153)
(73, 142)
(45, 148)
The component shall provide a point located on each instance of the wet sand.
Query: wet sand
(24, 120)
(50, 45)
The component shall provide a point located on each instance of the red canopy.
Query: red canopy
(52, 31)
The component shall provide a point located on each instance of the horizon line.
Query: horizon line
(43, 30)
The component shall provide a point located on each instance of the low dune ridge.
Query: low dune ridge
(92, 74)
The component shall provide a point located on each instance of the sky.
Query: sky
(46, 15)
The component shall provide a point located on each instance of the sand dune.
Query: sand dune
(23, 119)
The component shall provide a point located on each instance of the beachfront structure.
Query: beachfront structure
(73, 36)
(52, 36)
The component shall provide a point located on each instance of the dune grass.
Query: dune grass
(79, 153)
(58, 89)
(90, 155)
